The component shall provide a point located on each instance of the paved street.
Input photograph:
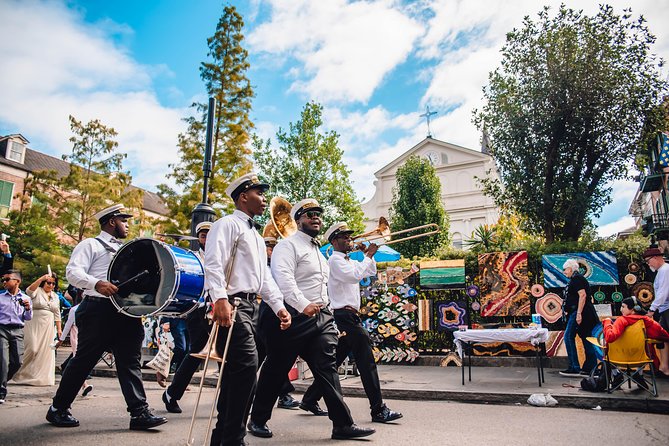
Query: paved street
(105, 422)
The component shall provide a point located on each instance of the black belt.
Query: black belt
(97, 298)
(348, 308)
(246, 296)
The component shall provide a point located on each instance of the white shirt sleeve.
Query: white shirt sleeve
(220, 240)
(270, 292)
(69, 323)
(79, 264)
(661, 288)
(347, 271)
(284, 266)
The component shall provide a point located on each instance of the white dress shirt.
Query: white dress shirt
(300, 271)
(71, 322)
(89, 263)
(661, 286)
(249, 272)
(345, 275)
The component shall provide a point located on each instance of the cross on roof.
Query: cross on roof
(427, 115)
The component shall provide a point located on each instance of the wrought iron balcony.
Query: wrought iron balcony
(651, 183)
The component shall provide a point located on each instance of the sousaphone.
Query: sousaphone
(281, 224)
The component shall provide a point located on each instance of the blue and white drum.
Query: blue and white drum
(173, 286)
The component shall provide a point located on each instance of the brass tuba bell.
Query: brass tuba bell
(283, 223)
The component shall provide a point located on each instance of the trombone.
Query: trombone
(382, 231)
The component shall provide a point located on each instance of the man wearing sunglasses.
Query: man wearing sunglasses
(102, 328)
(15, 309)
(301, 272)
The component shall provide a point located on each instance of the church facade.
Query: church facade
(458, 169)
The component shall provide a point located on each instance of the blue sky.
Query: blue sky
(374, 65)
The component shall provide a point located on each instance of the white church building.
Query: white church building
(458, 169)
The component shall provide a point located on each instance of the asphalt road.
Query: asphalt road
(104, 421)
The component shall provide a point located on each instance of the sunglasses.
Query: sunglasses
(312, 214)
(7, 279)
(50, 283)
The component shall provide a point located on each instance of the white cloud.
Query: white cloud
(345, 48)
(615, 227)
(55, 65)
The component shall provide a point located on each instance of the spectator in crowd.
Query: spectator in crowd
(15, 310)
(72, 330)
(39, 358)
(7, 259)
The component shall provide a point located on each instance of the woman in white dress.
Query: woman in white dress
(39, 355)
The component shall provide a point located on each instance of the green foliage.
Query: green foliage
(565, 113)
(416, 202)
(225, 79)
(484, 238)
(33, 244)
(96, 179)
(308, 164)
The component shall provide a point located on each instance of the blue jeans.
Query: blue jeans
(592, 353)
(179, 331)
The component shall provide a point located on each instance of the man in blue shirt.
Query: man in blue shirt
(15, 309)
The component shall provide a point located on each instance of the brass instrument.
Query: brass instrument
(207, 353)
(382, 231)
(282, 222)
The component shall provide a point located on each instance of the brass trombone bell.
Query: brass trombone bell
(209, 351)
(383, 232)
(279, 212)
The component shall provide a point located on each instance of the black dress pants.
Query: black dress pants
(198, 333)
(239, 378)
(102, 328)
(355, 341)
(287, 386)
(315, 340)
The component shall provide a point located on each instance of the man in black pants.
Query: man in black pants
(198, 333)
(344, 292)
(301, 271)
(102, 328)
(235, 265)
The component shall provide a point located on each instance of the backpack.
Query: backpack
(596, 382)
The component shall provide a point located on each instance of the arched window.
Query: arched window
(457, 240)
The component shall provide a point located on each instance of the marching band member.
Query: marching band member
(198, 334)
(235, 265)
(102, 327)
(301, 271)
(344, 293)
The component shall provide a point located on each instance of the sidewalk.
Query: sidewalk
(489, 385)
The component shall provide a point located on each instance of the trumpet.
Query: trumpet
(382, 231)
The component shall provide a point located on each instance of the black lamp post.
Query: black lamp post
(203, 211)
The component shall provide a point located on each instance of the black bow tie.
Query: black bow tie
(117, 241)
(253, 224)
(316, 242)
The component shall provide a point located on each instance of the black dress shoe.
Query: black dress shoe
(314, 409)
(61, 418)
(385, 415)
(146, 420)
(287, 402)
(171, 406)
(258, 430)
(352, 431)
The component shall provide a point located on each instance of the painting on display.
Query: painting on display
(599, 268)
(450, 315)
(505, 287)
(442, 274)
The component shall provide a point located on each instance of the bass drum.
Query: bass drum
(173, 286)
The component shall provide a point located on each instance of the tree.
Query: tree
(565, 112)
(308, 164)
(416, 202)
(95, 180)
(225, 79)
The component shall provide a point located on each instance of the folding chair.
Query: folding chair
(629, 355)
(107, 358)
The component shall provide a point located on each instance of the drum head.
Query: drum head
(150, 293)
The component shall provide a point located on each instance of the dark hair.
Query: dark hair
(633, 304)
(16, 272)
(55, 278)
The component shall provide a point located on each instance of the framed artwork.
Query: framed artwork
(505, 287)
(442, 274)
(598, 267)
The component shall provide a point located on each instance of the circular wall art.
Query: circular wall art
(634, 267)
(644, 292)
(476, 306)
(537, 290)
(630, 279)
(472, 291)
(549, 307)
(599, 296)
(617, 296)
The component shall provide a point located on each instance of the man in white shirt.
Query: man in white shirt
(301, 271)
(660, 305)
(344, 292)
(102, 328)
(235, 264)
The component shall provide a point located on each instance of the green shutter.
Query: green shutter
(6, 193)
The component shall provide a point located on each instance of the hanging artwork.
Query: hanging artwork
(472, 291)
(617, 296)
(549, 307)
(450, 315)
(424, 315)
(599, 267)
(537, 290)
(505, 289)
(644, 292)
(442, 274)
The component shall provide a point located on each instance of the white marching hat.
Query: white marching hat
(203, 226)
(244, 183)
(117, 210)
(308, 204)
(270, 240)
(336, 230)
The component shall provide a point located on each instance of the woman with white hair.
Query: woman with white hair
(581, 317)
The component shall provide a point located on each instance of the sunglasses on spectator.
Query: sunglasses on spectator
(312, 214)
(50, 283)
(7, 279)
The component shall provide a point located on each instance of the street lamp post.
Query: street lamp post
(203, 211)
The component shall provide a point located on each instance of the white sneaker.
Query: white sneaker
(2, 400)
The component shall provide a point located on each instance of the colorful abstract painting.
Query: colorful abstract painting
(549, 307)
(424, 314)
(505, 287)
(450, 315)
(442, 274)
(599, 267)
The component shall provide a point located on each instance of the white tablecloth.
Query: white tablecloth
(534, 336)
